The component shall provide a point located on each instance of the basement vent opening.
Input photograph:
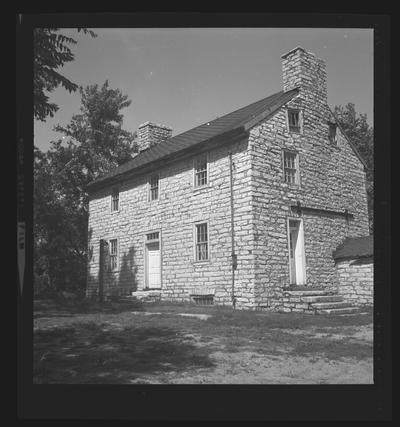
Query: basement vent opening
(203, 299)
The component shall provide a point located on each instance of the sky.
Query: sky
(183, 77)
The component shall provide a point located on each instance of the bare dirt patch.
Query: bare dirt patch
(212, 345)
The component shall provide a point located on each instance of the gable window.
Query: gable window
(113, 254)
(153, 187)
(201, 242)
(332, 133)
(294, 120)
(200, 171)
(290, 167)
(115, 200)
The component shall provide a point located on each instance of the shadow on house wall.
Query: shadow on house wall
(108, 283)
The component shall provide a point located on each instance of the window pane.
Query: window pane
(154, 194)
(114, 200)
(201, 252)
(332, 132)
(294, 120)
(154, 187)
(201, 242)
(113, 248)
(201, 171)
(290, 167)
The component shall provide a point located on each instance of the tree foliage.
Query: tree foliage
(361, 134)
(51, 51)
(93, 144)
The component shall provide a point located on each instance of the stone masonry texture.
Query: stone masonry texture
(180, 205)
(356, 280)
(150, 134)
(331, 178)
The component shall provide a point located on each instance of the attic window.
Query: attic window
(332, 133)
(294, 120)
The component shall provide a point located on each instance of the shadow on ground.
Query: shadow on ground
(71, 308)
(93, 353)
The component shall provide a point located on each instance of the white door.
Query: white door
(296, 253)
(153, 265)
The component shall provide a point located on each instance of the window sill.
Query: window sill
(292, 185)
(195, 263)
(115, 212)
(202, 187)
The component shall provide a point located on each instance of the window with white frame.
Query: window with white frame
(115, 200)
(332, 133)
(201, 242)
(290, 167)
(113, 254)
(200, 171)
(294, 120)
(153, 187)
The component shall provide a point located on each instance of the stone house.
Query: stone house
(237, 210)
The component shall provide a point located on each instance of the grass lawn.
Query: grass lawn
(126, 343)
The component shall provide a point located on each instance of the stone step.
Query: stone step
(322, 298)
(327, 305)
(303, 288)
(150, 295)
(338, 311)
(307, 293)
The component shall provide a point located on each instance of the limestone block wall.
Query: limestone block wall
(331, 178)
(180, 205)
(356, 280)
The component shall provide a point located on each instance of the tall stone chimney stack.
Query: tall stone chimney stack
(150, 134)
(304, 70)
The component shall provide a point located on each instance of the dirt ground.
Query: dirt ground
(181, 344)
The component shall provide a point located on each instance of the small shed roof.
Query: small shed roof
(355, 247)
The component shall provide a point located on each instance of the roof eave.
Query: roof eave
(269, 112)
(229, 137)
(348, 257)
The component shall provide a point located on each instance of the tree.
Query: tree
(94, 143)
(361, 134)
(51, 52)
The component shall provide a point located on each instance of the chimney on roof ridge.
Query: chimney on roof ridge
(150, 134)
(304, 70)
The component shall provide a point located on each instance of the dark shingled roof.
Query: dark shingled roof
(355, 247)
(200, 134)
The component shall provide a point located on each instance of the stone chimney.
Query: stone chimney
(151, 134)
(304, 70)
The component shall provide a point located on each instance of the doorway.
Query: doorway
(153, 261)
(297, 264)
